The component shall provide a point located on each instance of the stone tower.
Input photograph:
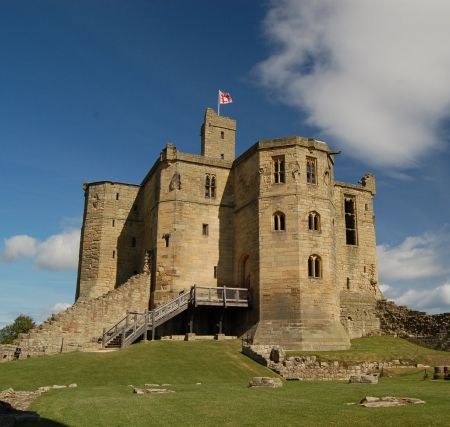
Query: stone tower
(218, 136)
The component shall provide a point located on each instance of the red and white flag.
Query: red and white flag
(225, 98)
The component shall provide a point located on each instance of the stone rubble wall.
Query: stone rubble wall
(308, 368)
(429, 330)
(359, 314)
(80, 326)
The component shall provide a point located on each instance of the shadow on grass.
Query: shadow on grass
(45, 422)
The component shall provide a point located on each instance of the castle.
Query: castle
(272, 221)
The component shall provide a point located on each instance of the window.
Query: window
(117, 196)
(133, 242)
(350, 220)
(213, 187)
(311, 170)
(314, 221)
(279, 171)
(210, 186)
(205, 230)
(114, 254)
(315, 266)
(215, 272)
(113, 222)
(222, 156)
(222, 134)
(166, 237)
(279, 221)
(348, 283)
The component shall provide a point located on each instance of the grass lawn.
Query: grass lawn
(384, 348)
(103, 396)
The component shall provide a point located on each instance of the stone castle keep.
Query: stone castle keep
(272, 221)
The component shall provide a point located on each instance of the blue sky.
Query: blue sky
(93, 90)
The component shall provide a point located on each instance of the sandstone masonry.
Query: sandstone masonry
(80, 326)
(273, 220)
(429, 330)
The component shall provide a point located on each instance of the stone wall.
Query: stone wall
(193, 229)
(429, 330)
(308, 368)
(359, 314)
(218, 136)
(298, 310)
(110, 243)
(80, 326)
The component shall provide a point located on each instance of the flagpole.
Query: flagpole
(218, 103)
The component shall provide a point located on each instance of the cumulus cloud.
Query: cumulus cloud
(416, 257)
(371, 75)
(47, 311)
(19, 246)
(59, 306)
(58, 252)
(436, 299)
(385, 288)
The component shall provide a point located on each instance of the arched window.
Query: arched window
(279, 221)
(315, 266)
(213, 187)
(207, 185)
(210, 186)
(311, 170)
(279, 170)
(314, 221)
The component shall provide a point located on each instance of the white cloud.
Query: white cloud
(416, 257)
(58, 252)
(59, 306)
(436, 299)
(385, 288)
(45, 313)
(20, 246)
(371, 75)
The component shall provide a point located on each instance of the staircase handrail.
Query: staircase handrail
(141, 322)
(116, 329)
(169, 307)
(144, 321)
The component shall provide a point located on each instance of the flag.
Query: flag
(225, 98)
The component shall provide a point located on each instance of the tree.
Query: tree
(22, 324)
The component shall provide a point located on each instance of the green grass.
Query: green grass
(370, 349)
(223, 398)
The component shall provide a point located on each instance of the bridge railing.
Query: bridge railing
(220, 296)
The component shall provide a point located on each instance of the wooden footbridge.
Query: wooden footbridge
(136, 325)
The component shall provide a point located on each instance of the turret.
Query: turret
(218, 136)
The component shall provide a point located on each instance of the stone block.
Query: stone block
(190, 336)
(365, 379)
(266, 382)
